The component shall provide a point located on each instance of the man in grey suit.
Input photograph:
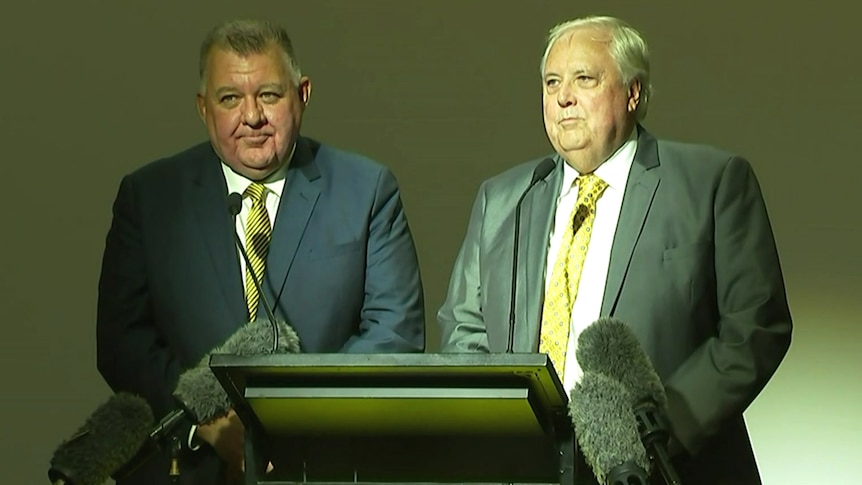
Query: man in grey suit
(340, 263)
(672, 238)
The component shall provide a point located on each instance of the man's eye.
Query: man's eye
(585, 80)
(228, 98)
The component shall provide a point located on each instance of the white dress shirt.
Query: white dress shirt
(591, 288)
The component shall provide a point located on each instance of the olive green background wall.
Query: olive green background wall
(447, 94)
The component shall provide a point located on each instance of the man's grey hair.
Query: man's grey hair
(246, 37)
(627, 47)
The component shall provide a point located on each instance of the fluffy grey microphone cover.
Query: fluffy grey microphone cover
(610, 347)
(605, 427)
(110, 437)
(198, 389)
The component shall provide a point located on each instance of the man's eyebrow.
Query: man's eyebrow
(273, 86)
(575, 72)
(268, 86)
(224, 90)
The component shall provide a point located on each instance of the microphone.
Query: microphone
(202, 396)
(234, 206)
(202, 399)
(157, 436)
(607, 431)
(609, 346)
(539, 173)
(108, 439)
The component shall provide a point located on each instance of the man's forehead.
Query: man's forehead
(237, 77)
(224, 55)
(229, 63)
(579, 49)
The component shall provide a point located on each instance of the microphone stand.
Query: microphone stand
(539, 173)
(176, 447)
(654, 435)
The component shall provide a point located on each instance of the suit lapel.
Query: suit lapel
(640, 190)
(539, 209)
(207, 198)
(298, 200)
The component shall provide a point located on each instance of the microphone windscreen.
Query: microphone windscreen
(609, 346)
(234, 203)
(199, 390)
(543, 169)
(605, 427)
(202, 395)
(255, 338)
(109, 438)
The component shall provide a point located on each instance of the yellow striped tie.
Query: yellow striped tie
(563, 287)
(257, 236)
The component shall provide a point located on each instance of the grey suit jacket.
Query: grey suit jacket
(694, 270)
(342, 269)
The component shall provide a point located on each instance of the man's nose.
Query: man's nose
(252, 114)
(566, 95)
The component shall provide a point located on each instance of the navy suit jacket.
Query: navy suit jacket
(342, 270)
(694, 270)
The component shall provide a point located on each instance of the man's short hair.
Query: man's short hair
(246, 37)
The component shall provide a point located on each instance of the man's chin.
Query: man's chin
(262, 162)
(573, 143)
(256, 169)
(260, 172)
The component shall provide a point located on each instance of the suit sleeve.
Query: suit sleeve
(131, 355)
(725, 374)
(393, 310)
(462, 324)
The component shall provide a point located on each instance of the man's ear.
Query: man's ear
(304, 90)
(202, 107)
(634, 96)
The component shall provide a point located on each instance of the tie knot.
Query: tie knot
(255, 191)
(590, 187)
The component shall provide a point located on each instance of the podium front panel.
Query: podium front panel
(437, 418)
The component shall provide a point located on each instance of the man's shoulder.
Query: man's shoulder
(516, 176)
(676, 149)
(335, 158)
(690, 155)
(171, 164)
(695, 164)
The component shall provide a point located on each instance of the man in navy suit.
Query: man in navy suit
(341, 265)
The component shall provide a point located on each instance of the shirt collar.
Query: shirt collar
(274, 182)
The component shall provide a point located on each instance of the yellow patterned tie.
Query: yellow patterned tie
(257, 236)
(563, 287)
